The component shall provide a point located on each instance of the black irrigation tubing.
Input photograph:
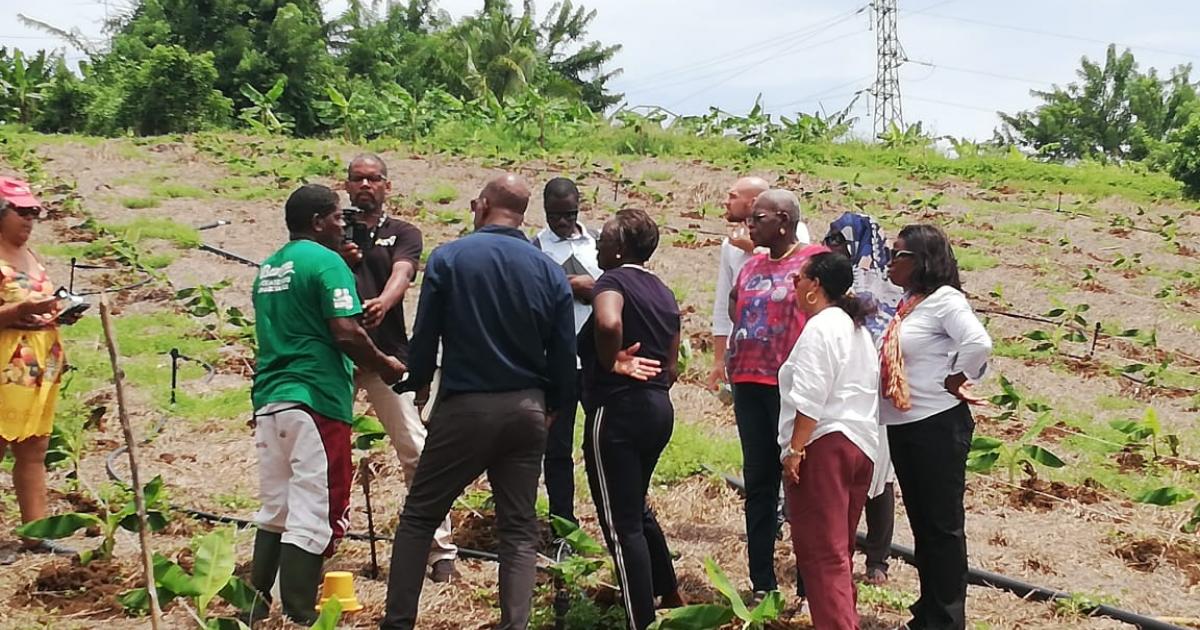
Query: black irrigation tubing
(75, 264)
(242, 523)
(226, 254)
(979, 577)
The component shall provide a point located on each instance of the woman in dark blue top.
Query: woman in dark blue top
(629, 349)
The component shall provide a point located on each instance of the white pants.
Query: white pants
(400, 418)
(304, 474)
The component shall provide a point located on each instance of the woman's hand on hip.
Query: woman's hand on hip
(960, 388)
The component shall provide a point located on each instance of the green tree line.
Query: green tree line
(1116, 112)
(181, 65)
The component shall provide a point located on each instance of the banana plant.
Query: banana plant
(120, 514)
(260, 115)
(212, 576)
(1148, 430)
(986, 452)
(712, 616)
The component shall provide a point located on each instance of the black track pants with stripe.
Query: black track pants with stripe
(622, 442)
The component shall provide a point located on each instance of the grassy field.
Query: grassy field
(1073, 247)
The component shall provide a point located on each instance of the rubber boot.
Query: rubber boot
(299, 577)
(263, 569)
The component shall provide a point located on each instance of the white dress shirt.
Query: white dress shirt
(940, 337)
(733, 258)
(582, 248)
(832, 376)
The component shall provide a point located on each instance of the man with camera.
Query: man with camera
(384, 253)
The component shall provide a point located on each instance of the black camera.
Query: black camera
(356, 231)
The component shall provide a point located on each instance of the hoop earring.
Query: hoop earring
(618, 257)
(810, 297)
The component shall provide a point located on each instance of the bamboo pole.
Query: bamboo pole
(139, 500)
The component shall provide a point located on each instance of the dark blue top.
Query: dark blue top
(650, 316)
(504, 314)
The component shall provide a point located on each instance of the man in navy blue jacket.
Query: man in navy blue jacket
(504, 315)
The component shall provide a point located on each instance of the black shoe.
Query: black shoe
(444, 571)
(299, 578)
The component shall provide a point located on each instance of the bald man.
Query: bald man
(504, 315)
(735, 251)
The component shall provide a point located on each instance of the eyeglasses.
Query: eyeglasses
(759, 217)
(28, 213)
(374, 179)
(898, 253)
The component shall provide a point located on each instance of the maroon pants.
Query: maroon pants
(823, 510)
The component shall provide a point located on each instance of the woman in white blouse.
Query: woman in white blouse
(933, 348)
(829, 435)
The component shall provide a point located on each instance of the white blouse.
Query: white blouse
(940, 337)
(832, 376)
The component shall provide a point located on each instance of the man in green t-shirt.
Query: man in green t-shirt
(309, 339)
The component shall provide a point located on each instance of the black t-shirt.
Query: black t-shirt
(650, 316)
(393, 240)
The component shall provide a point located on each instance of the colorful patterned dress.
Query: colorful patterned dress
(31, 360)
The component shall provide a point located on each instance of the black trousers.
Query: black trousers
(559, 467)
(503, 434)
(881, 523)
(621, 446)
(930, 458)
(756, 408)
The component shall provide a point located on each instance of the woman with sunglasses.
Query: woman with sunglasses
(933, 348)
(766, 323)
(31, 358)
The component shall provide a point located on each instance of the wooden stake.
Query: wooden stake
(139, 500)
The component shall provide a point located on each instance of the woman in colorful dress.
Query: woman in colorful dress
(766, 323)
(31, 357)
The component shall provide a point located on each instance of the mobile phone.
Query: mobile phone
(70, 306)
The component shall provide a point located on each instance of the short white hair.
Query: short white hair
(783, 201)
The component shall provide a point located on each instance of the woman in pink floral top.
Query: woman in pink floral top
(766, 323)
(31, 356)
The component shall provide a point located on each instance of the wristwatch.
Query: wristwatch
(791, 452)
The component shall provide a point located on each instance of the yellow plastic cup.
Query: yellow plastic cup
(339, 584)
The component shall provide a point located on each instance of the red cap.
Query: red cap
(17, 193)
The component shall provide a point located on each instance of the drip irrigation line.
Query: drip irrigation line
(1024, 590)
(228, 255)
(979, 577)
(242, 523)
(75, 264)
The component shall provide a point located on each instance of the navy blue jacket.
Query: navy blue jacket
(504, 314)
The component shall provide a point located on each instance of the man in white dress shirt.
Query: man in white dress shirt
(566, 241)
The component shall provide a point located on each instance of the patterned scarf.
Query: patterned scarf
(891, 373)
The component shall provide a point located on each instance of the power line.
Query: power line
(990, 110)
(985, 73)
(783, 42)
(814, 95)
(1035, 31)
(736, 71)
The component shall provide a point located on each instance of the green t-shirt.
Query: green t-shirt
(299, 288)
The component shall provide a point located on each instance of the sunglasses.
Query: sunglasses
(759, 217)
(894, 253)
(27, 213)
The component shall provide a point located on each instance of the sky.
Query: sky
(966, 58)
